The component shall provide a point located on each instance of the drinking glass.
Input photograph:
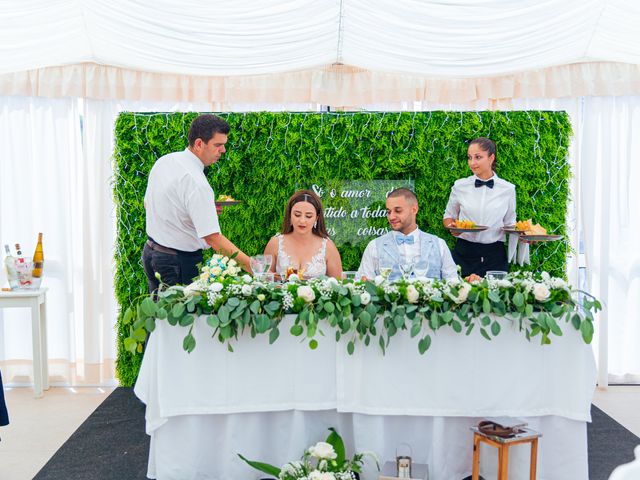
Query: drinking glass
(260, 263)
(350, 275)
(385, 268)
(420, 267)
(406, 267)
(496, 274)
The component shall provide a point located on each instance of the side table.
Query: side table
(526, 435)
(36, 300)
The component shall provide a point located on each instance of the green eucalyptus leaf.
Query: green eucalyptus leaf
(189, 343)
(213, 321)
(296, 330)
(273, 335)
(177, 310)
(150, 324)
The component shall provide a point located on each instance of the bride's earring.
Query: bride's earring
(315, 224)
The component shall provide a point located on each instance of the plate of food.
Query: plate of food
(534, 232)
(519, 228)
(461, 226)
(225, 200)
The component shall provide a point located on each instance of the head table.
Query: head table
(270, 402)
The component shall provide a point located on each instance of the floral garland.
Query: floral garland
(363, 311)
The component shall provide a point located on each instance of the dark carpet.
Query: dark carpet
(112, 445)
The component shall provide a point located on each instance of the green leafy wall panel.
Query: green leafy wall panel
(270, 155)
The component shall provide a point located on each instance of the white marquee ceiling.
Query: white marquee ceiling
(435, 38)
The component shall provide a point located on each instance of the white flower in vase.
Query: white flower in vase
(365, 298)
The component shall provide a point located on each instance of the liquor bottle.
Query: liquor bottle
(22, 267)
(10, 265)
(38, 258)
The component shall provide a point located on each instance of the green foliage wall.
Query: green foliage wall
(270, 155)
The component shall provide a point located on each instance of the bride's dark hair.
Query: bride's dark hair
(305, 196)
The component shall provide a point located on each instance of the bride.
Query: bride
(304, 245)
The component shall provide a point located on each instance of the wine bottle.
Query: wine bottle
(38, 258)
(10, 266)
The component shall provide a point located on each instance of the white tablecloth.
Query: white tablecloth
(270, 402)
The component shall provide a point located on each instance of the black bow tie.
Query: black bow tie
(480, 183)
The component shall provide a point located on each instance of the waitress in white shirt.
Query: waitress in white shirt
(486, 199)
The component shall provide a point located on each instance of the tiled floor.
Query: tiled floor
(40, 426)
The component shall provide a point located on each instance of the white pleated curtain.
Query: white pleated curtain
(55, 177)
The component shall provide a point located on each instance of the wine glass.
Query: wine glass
(385, 268)
(260, 264)
(406, 267)
(420, 267)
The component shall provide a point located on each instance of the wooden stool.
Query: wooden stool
(526, 435)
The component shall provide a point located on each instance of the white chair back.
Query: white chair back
(628, 471)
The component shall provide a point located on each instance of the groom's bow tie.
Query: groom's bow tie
(408, 239)
(480, 183)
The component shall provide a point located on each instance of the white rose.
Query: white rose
(541, 292)
(332, 281)
(463, 293)
(224, 260)
(322, 449)
(246, 290)
(216, 271)
(216, 287)
(191, 289)
(204, 276)
(365, 298)
(412, 294)
(246, 278)
(306, 293)
(261, 297)
(232, 263)
(545, 276)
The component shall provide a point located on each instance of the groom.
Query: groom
(408, 241)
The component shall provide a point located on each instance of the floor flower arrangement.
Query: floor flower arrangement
(323, 461)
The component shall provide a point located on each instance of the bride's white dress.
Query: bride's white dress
(316, 267)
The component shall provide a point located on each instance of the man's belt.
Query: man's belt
(159, 248)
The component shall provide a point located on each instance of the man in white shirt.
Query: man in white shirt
(181, 217)
(406, 241)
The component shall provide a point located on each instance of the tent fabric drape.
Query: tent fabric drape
(336, 85)
(72, 205)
